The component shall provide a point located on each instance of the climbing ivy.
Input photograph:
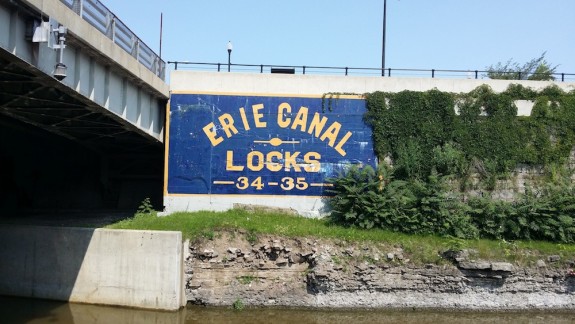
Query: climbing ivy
(421, 132)
(408, 125)
(434, 138)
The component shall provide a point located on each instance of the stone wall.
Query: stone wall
(315, 273)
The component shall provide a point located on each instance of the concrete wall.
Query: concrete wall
(141, 269)
(313, 86)
(223, 82)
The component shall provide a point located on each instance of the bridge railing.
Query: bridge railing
(97, 15)
(302, 69)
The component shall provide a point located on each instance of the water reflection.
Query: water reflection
(33, 311)
(364, 316)
(21, 310)
(24, 310)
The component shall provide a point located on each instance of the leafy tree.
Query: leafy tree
(536, 69)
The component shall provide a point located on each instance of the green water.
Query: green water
(20, 310)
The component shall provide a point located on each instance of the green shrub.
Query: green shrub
(361, 194)
(440, 211)
(547, 214)
(489, 216)
(369, 198)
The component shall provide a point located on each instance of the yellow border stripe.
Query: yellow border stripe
(224, 182)
(321, 184)
(166, 147)
(287, 95)
(244, 196)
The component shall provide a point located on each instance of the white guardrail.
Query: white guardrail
(97, 15)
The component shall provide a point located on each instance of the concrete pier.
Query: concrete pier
(141, 269)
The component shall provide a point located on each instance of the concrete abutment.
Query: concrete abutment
(140, 269)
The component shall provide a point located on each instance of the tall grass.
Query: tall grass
(419, 248)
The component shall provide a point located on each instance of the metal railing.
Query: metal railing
(97, 15)
(303, 69)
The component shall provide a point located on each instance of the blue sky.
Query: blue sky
(421, 34)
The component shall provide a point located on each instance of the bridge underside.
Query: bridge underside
(60, 152)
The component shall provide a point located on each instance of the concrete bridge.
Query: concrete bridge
(82, 109)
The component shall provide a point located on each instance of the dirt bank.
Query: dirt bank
(308, 272)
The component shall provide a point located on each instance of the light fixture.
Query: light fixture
(60, 68)
(60, 71)
(230, 47)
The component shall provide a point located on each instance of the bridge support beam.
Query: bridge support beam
(107, 79)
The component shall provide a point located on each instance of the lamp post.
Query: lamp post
(230, 47)
(383, 41)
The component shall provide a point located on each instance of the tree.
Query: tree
(536, 69)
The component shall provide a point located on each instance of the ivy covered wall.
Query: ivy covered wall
(438, 142)
(473, 133)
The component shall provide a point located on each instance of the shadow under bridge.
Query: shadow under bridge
(90, 142)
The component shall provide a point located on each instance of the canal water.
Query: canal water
(20, 310)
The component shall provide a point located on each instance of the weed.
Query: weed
(209, 234)
(456, 244)
(369, 259)
(246, 280)
(509, 247)
(238, 304)
(252, 237)
(145, 207)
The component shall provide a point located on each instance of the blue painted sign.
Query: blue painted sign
(261, 145)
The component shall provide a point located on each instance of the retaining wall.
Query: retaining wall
(141, 269)
(222, 98)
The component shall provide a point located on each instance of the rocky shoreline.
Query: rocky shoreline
(306, 272)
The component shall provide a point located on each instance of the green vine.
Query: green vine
(422, 134)
(331, 99)
(435, 138)
(408, 125)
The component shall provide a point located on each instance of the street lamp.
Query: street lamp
(230, 47)
(383, 42)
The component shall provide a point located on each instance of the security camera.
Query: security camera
(60, 71)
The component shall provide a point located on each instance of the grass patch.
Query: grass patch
(420, 249)
(238, 304)
(246, 280)
(252, 237)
